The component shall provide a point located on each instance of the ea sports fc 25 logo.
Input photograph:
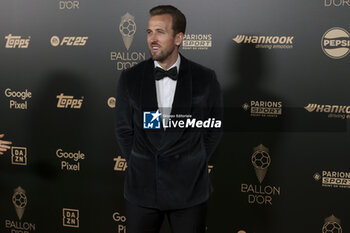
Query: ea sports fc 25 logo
(68, 41)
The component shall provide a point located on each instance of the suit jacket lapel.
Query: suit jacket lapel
(182, 103)
(149, 101)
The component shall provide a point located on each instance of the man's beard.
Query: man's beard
(162, 55)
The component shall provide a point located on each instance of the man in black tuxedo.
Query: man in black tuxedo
(167, 172)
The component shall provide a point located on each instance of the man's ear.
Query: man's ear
(178, 38)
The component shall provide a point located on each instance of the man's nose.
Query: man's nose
(152, 38)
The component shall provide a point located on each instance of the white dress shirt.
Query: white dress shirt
(166, 89)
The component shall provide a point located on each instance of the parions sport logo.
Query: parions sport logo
(335, 43)
(262, 108)
(333, 179)
(197, 41)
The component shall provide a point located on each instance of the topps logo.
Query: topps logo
(65, 101)
(16, 42)
(69, 41)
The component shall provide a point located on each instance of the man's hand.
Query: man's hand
(4, 145)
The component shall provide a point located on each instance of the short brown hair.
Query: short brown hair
(179, 19)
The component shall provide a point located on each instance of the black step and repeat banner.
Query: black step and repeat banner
(282, 164)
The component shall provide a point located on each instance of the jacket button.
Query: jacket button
(177, 156)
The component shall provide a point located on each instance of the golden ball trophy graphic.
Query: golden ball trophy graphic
(261, 161)
(332, 225)
(19, 200)
(127, 28)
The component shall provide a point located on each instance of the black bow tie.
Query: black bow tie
(159, 73)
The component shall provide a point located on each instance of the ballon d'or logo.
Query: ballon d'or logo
(127, 28)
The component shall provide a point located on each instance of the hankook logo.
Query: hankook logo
(266, 42)
(334, 111)
(69, 41)
(335, 43)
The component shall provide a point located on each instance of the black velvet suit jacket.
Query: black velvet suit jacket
(167, 169)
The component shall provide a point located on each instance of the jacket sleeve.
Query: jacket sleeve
(212, 136)
(124, 128)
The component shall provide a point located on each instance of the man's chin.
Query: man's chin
(158, 58)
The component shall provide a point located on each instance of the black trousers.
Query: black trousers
(148, 220)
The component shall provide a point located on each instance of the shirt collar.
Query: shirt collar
(177, 64)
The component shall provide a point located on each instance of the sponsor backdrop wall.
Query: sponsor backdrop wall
(283, 162)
